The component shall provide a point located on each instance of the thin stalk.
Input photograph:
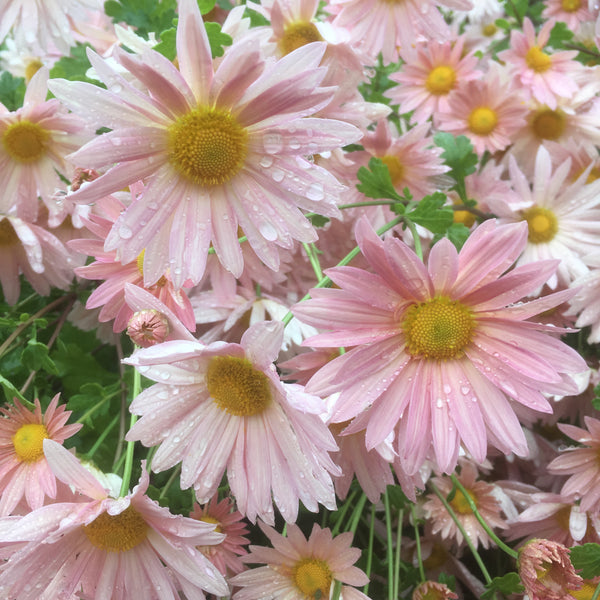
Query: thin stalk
(170, 481)
(123, 411)
(137, 386)
(417, 240)
(342, 513)
(389, 551)
(337, 588)
(311, 252)
(418, 544)
(94, 408)
(596, 593)
(101, 438)
(369, 564)
(357, 513)
(398, 549)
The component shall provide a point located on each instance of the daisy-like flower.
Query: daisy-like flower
(544, 76)
(571, 12)
(586, 303)
(581, 464)
(487, 111)
(105, 547)
(563, 219)
(225, 555)
(229, 411)
(441, 350)
(24, 470)
(297, 567)
(431, 590)
(429, 73)
(546, 570)
(35, 139)
(219, 150)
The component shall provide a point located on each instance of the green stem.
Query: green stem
(127, 469)
(170, 481)
(370, 550)
(418, 544)
(357, 513)
(337, 588)
(342, 513)
(596, 593)
(389, 550)
(94, 408)
(459, 526)
(311, 252)
(417, 240)
(101, 438)
(512, 553)
(398, 549)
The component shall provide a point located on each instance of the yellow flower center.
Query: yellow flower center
(296, 35)
(25, 141)
(312, 575)
(592, 176)
(537, 60)
(8, 235)
(542, 223)
(482, 120)
(460, 504)
(438, 329)
(117, 533)
(28, 442)
(207, 146)
(585, 592)
(465, 217)
(440, 80)
(571, 5)
(207, 519)
(32, 67)
(489, 30)
(437, 557)
(395, 167)
(237, 387)
(548, 124)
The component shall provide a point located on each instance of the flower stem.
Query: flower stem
(389, 548)
(312, 253)
(137, 387)
(418, 543)
(370, 550)
(398, 549)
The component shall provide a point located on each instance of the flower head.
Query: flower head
(431, 590)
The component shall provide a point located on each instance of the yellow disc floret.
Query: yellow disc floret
(482, 120)
(207, 146)
(25, 142)
(296, 35)
(537, 60)
(542, 223)
(395, 167)
(440, 80)
(312, 575)
(460, 503)
(570, 5)
(548, 124)
(213, 521)
(237, 387)
(117, 533)
(438, 329)
(28, 442)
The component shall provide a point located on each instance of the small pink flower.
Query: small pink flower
(431, 590)
(301, 568)
(24, 470)
(571, 12)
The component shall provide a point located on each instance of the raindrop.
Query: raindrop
(117, 88)
(272, 143)
(315, 192)
(266, 161)
(125, 232)
(294, 144)
(465, 389)
(447, 389)
(277, 175)
(165, 375)
(152, 205)
(439, 403)
(268, 231)
(143, 368)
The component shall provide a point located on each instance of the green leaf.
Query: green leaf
(319, 220)
(217, 39)
(167, 46)
(586, 558)
(74, 66)
(458, 154)
(11, 392)
(506, 585)
(559, 35)
(12, 91)
(396, 497)
(146, 16)
(375, 182)
(206, 6)
(431, 213)
(35, 357)
(458, 233)
(91, 393)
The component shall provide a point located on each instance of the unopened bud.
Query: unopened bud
(147, 328)
(431, 590)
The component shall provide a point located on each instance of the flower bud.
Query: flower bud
(147, 328)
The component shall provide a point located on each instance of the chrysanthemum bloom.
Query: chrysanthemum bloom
(546, 570)
(432, 590)
(581, 463)
(24, 471)
(44, 24)
(218, 149)
(571, 12)
(225, 555)
(301, 568)
(104, 547)
(31, 250)
(581, 156)
(35, 140)
(441, 349)
(563, 219)
(227, 410)
(428, 75)
(482, 493)
(586, 303)
(544, 76)
(487, 111)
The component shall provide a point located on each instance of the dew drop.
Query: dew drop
(266, 161)
(315, 192)
(447, 389)
(267, 231)
(465, 390)
(272, 143)
(277, 175)
(125, 232)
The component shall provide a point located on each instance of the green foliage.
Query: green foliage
(216, 38)
(318, 220)
(12, 91)
(10, 391)
(458, 154)
(256, 19)
(146, 16)
(586, 558)
(431, 213)
(206, 6)
(375, 182)
(560, 35)
(457, 233)
(74, 66)
(35, 357)
(510, 583)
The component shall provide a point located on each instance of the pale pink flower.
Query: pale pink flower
(571, 12)
(581, 463)
(488, 111)
(442, 349)
(297, 567)
(35, 140)
(546, 570)
(544, 76)
(228, 521)
(229, 412)
(431, 590)
(24, 470)
(586, 303)
(581, 156)
(105, 547)
(430, 72)
(219, 150)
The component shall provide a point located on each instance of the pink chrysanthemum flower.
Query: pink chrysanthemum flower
(104, 547)
(442, 349)
(571, 12)
(35, 140)
(546, 570)
(586, 303)
(581, 464)
(431, 590)
(430, 72)
(487, 111)
(544, 76)
(229, 412)
(24, 470)
(219, 150)
(301, 568)
(225, 555)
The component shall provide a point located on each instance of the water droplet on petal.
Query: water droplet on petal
(125, 232)
(315, 192)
